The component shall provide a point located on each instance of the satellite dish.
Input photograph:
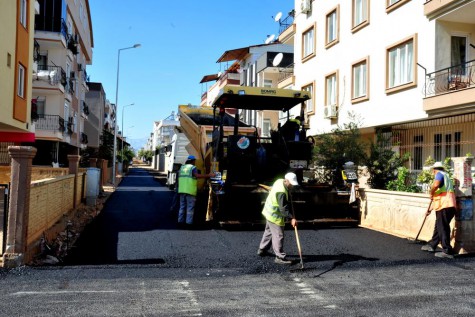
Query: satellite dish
(278, 16)
(277, 59)
(270, 39)
(219, 74)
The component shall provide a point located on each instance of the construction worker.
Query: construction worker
(187, 189)
(276, 211)
(291, 129)
(444, 203)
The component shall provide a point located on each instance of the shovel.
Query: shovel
(298, 246)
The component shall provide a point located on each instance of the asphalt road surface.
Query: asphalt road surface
(132, 260)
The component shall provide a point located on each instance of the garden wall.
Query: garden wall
(402, 214)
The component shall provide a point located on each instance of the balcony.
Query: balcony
(85, 108)
(287, 27)
(49, 126)
(433, 6)
(84, 138)
(450, 87)
(73, 43)
(53, 75)
(51, 33)
(286, 72)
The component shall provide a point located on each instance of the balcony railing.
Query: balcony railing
(84, 138)
(450, 79)
(287, 22)
(50, 123)
(52, 74)
(70, 126)
(285, 72)
(36, 51)
(85, 108)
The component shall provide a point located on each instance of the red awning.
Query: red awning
(17, 136)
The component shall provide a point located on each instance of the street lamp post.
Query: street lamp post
(116, 108)
(122, 127)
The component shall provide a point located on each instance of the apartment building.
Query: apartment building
(162, 135)
(16, 67)
(96, 119)
(251, 66)
(109, 116)
(403, 67)
(63, 46)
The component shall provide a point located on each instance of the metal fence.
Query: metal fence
(438, 138)
(4, 195)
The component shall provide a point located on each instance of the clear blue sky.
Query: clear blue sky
(181, 42)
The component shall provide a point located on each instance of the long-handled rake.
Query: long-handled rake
(423, 222)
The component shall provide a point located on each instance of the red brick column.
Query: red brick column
(19, 208)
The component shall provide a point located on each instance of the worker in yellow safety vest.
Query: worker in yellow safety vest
(187, 189)
(444, 203)
(276, 211)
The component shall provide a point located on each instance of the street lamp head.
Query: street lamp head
(137, 45)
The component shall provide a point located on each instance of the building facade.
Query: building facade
(63, 33)
(412, 81)
(16, 67)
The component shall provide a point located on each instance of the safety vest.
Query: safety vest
(271, 209)
(187, 183)
(444, 197)
(295, 120)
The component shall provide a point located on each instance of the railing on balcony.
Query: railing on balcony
(287, 22)
(70, 126)
(84, 138)
(52, 74)
(49, 123)
(36, 51)
(450, 79)
(85, 77)
(85, 108)
(285, 72)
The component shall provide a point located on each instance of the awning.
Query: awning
(17, 137)
(259, 98)
(208, 78)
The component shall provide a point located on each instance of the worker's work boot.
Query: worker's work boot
(282, 260)
(427, 247)
(261, 252)
(444, 255)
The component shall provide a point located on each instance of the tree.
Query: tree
(334, 149)
(383, 163)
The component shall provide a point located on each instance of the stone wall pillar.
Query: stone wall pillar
(19, 208)
(74, 169)
(93, 162)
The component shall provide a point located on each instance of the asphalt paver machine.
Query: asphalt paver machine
(247, 164)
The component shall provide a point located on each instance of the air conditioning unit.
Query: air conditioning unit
(305, 6)
(330, 112)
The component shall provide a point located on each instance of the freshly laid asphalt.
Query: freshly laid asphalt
(132, 260)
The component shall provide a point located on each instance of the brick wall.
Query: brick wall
(49, 201)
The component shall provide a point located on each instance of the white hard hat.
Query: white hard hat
(292, 178)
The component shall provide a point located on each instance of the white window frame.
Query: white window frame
(266, 127)
(310, 104)
(332, 27)
(401, 64)
(331, 89)
(21, 81)
(308, 43)
(360, 17)
(23, 13)
(360, 80)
